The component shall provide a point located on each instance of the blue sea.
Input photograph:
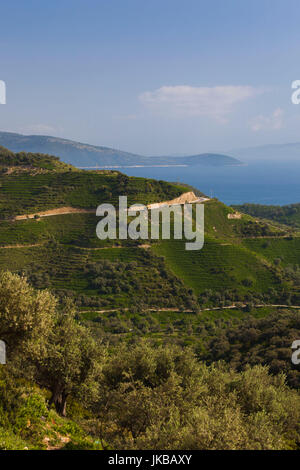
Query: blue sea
(259, 182)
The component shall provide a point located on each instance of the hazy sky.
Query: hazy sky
(152, 77)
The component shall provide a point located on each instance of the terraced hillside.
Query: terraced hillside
(40, 183)
(239, 261)
(248, 268)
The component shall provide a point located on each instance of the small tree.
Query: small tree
(25, 313)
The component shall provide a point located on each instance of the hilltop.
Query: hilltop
(85, 155)
(28, 162)
(37, 182)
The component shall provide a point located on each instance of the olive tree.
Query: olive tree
(70, 364)
(25, 313)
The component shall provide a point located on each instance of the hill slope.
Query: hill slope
(128, 289)
(62, 252)
(85, 155)
(36, 182)
(289, 215)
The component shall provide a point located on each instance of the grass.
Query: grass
(217, 266)
(26, 423)
(287, 249)
(76, 229)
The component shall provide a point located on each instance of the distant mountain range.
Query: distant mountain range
(85, 155)
(276, 152)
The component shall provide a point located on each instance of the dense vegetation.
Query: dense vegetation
(135, 396)
(264, 341)
(110, 277)
(164, 399)
(289, 215)
(25, 160)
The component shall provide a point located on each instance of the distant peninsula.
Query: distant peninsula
(90, 156)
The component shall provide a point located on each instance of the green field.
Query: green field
(217, 266)
(287, 249)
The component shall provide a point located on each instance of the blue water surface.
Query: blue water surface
(260, 182)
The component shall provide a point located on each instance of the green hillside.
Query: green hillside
(289, 215)
(218, 267)
(17, 162)
(136, 323)
(32, 182)
(239, 261)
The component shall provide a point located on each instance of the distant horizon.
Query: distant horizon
(202, 152)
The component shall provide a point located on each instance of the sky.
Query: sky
(152, 77)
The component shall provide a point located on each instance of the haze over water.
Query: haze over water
(275, 183)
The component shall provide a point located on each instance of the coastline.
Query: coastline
(106, 167)
(126, 166)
